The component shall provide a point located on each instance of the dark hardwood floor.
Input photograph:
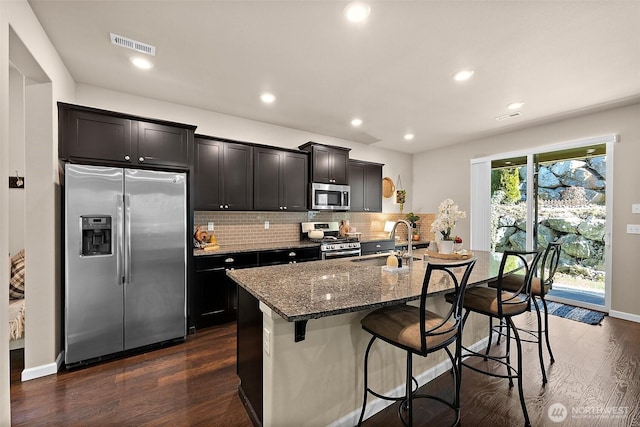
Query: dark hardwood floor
(194, 383)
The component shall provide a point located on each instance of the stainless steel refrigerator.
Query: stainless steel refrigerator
(125, 259)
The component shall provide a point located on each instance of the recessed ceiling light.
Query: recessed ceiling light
(141, 63)
(357, 11)
(515, 105)
(408, 136)
(463, 75)
(356, 122)
(268, 98)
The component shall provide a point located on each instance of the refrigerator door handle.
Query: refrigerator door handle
(120, 246)
(127, 240)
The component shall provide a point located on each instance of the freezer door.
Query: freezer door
(156, 255)
(93, 280)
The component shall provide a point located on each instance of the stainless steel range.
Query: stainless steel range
(332, 246)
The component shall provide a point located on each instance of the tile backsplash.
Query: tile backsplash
(232, 228)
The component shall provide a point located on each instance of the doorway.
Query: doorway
(566, 202)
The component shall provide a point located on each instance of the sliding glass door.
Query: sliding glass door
(552, 195)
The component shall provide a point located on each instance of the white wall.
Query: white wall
(452, 164)
(16, 160)
(18, 22)
(225, 126)
(5, 402)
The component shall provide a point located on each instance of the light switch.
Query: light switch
(210, 226)
(635, 208)
(633, 228)
(266, 225)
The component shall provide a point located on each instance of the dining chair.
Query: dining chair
(419, 331)
(541, 284)
(503, 305)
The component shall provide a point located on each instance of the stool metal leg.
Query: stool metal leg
(366, 379)
(540, 356)
(508, 354)
(519, 373)
(408, 391)
(546, 328)
(490, 335)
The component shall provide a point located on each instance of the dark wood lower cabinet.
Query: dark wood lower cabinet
(249, 363)
(215, 295)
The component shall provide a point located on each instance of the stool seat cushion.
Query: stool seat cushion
(513, 282)
(485, 300)
(400, 324)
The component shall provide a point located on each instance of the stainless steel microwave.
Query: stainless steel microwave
(330, 197)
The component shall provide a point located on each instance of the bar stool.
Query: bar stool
(420, 331)
(540, 286)
(503, 305)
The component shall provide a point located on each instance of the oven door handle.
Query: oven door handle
(342, 253)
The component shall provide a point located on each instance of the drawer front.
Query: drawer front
(287, 256)
(377, 246)
(237, 260)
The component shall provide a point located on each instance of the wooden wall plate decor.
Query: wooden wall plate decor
(388, 187)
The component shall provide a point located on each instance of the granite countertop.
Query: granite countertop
(250, 247)
(318, 289)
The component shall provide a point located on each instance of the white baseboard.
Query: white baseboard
(376, 405)
(624, 316)
(42, 370)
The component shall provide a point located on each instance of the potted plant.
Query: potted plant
(413, 219)
(401, 197)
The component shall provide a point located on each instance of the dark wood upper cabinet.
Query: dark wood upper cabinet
(329, 164)
(93, 135)
(162, 145)
(365, 179)
(223, 175)
(280, 180)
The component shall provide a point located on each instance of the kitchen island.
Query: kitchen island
(301, 346)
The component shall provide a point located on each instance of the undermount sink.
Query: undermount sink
(376, 261)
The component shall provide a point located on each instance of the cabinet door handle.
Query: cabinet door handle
(141, 159)
(221, 206)
(285, 208)
(127, 158)
(226, 206)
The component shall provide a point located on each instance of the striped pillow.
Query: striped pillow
(16, 284)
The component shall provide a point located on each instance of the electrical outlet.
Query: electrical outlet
(266, 225)
(266, 343)
(210, 226)
(635, 208)
(633, 228)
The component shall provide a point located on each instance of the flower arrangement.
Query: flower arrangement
(448, 214)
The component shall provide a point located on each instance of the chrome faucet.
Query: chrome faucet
(392, 235)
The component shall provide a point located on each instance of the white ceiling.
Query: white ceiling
(395, 71)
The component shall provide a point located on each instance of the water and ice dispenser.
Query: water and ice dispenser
(96, 235)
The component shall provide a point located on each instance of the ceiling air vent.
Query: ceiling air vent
(508, 116)
(133, 45)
